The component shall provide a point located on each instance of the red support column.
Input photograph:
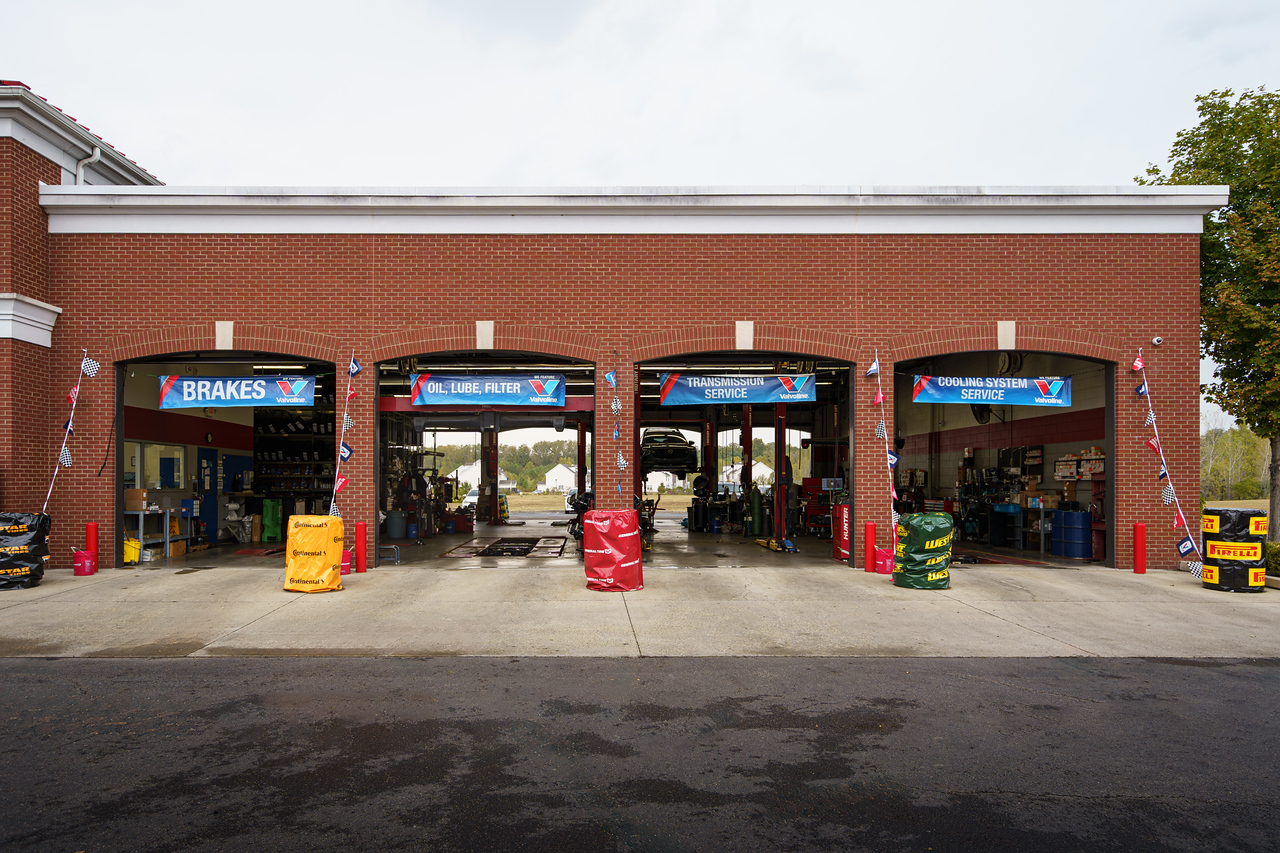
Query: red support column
(1139, 549)
(362, 548)
(91, 539)
(582, 458)
(869, 546)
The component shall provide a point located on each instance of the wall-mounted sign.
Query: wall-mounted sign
(1003, 390)
(194, 392)
(508, 389)
(689, 389)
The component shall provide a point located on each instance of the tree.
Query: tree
(1237, 142)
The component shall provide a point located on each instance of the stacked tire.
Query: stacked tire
(923, 556)
(1235, 549)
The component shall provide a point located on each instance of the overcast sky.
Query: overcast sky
(422, 93)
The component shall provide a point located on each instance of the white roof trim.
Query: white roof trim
(819, 210)
(51, 133)
(25, 319)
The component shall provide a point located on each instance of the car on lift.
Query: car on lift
(663, 449)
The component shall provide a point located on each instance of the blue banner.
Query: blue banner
(509, 389)
(688, 389)
(1052, 391)
(196, 392)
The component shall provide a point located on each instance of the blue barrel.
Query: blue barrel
(397, 523)
(1072, 534)
(412, 531)
(449, 525)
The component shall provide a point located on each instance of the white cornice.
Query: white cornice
(25, 319)
(818, 210)
(53, 134)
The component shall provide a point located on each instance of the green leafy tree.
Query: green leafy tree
(1237, 142)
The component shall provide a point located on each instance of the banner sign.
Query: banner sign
(687, 389)
(195, 392)
(509, 389)
(1006, 390)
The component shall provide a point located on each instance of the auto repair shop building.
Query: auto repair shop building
(1012, 284)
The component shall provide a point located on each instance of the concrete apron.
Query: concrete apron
(704, 595)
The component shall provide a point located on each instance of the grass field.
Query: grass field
(555, 503)
(1262, 503)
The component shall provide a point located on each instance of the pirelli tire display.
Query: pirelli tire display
(923, 556)
(24, 548)
(314, 548)
(1235, 549)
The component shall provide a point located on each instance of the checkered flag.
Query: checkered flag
(616, 406)
(1166, 494)
(1197, 569)
(622, 462)
(65, 457)
(89, 367)
(896, 517)
(333, 509)
(880, 433)
(347, 423)
(1151, 416)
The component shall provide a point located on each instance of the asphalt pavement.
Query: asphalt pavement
(792, 605)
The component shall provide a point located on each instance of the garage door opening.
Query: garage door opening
(216, 450)
(737, 448)
(1016, 446)
(480, 449)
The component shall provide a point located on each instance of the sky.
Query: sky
(639, 93)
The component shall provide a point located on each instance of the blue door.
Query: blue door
(207, 483)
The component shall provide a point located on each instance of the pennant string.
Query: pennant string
(893, 492)
(352, 370)
(64, 456)
(1159, 448)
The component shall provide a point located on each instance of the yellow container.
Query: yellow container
(132, 550)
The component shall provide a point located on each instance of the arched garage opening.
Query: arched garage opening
(736, 446)
(1017, 445)
(479, 449)
(217, 449)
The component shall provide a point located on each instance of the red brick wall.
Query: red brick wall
(23, 224)
(26, 460)
(616, 299)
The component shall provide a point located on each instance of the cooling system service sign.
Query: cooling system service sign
(1005, 390)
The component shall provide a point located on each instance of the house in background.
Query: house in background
(561, 479)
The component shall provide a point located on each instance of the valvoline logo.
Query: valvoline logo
(544, 387)
(793, 383)
(1049, 389)
(291, 389)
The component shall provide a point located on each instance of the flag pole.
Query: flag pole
(337, 468)
(1155, 426)
(66, 432)
(893, 493)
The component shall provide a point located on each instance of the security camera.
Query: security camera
(1157, 340)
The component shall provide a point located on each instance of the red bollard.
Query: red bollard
(1139, 549)
(361, 556)
(91, 538)
(869, 546)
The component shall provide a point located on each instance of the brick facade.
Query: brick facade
(643, 297)
(613, 299)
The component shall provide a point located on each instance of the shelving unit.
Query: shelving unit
(162, 536)
(294, 448)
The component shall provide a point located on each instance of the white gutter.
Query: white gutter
(647, 210)
(88, 161)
